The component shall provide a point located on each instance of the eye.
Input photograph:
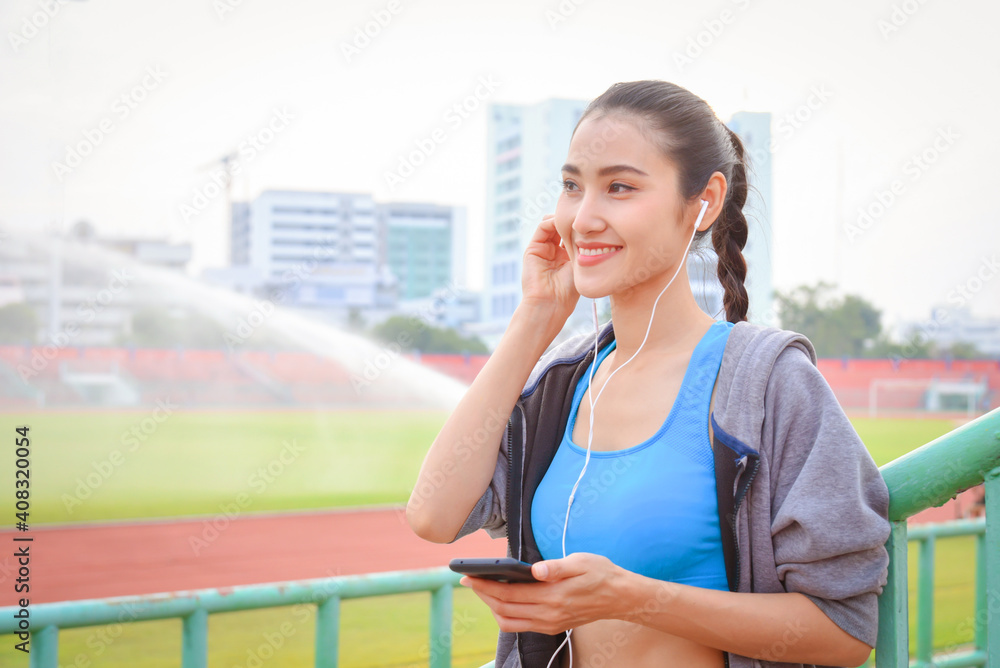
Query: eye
(568, 185)
(620, 185)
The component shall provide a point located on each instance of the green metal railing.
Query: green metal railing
(926, 536)
(194, 607)
(924, 478)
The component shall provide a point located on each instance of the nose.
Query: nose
(588, 217)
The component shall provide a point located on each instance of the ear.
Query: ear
(715, 194)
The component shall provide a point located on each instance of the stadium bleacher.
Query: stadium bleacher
(254, 378)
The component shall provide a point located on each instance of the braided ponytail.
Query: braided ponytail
(729, 237)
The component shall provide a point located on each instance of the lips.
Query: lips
(599, 251)
(592, 254)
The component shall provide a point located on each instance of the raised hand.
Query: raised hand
(547, 272)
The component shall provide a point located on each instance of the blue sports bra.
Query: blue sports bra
(650, 508)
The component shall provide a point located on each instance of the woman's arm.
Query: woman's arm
(583, 588)
(460, 463)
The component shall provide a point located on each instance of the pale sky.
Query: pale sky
(155, 92)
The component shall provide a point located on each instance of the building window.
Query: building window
(508, 165)
(508, 143)
(509, 184)
(507, 205)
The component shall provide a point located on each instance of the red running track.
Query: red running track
(121, 559)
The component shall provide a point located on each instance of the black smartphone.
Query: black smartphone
(503, 569)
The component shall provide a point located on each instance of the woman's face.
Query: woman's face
(620, 214)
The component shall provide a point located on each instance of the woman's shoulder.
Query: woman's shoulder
(758, 364)
(753, 351)
(571, 349)
(766, 342)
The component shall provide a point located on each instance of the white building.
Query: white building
(950, 325)
(702, 274)
(338, 253)
(423, 246)
(754, 128)
(80, 297)
(526, 148)
(316, 249)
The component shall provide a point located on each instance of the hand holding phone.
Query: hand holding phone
(503, 569)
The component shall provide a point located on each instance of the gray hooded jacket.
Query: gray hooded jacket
(802, 506)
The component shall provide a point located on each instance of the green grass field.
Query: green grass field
(194, 461)
(100, 466)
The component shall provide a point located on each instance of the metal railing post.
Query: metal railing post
(992, 555)
(194, 640)
(328, 633)
(892, 649)
(441, 611)
(925, 601)
(980, 617)
(44, 648)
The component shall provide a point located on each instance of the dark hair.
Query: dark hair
(699, 144)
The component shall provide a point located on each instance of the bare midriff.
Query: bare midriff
(612, 642)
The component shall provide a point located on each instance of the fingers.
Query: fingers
(550, 220)
(542, 571)
(546, 230)
(559, 569)
(514, 615)
(521, 592)
(547, 244)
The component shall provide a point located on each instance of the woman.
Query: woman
(722, 512)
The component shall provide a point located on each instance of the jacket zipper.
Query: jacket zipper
(510, 471)
(736, 510)
(510, 468)
(510, 477)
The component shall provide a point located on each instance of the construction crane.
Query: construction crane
(229, 162)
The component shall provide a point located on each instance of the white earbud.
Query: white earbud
(704, 207)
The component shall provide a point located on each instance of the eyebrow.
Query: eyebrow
(604, 171)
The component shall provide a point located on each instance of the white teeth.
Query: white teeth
(597, 251)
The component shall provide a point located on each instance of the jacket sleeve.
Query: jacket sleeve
(829, 503)
(490, 512)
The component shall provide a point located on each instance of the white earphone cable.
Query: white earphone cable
(593, 400)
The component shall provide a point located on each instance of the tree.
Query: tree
(156, 327)
(914, 348)
(964, 350)
(837, 327)
(355, 320)
(18, 323)
(411, 333)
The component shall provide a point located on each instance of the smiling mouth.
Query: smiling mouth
(598, 251)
